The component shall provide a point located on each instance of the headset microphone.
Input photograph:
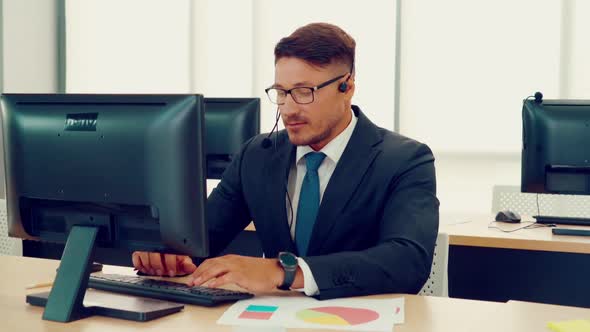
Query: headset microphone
(266, 142)
(538, 97)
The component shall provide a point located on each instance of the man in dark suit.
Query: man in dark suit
(341, 206)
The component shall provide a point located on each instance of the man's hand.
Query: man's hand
(251, 273)
(162, 264)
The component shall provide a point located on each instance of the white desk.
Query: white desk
(422, 313)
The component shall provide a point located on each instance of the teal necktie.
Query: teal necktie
(309, 201)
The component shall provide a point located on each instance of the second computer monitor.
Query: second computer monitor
(229, 122)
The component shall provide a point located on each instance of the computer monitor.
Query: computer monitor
(229, 123)
(104, 171)
(555, 153)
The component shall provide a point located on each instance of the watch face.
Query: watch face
(288, 259)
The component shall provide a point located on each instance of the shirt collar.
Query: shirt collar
(334, 149)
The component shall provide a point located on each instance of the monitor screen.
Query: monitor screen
(229, 123)
(555, 154)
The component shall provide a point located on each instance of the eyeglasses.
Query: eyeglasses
(300, 95)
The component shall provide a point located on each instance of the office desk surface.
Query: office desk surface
(473, 230)
(422, 313)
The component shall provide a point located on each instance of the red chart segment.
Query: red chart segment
(255, 315)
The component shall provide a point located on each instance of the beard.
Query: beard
(301, 138)
(308, 134)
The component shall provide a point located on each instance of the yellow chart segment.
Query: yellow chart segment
(311, 316)
(337, 316)
(327, 320)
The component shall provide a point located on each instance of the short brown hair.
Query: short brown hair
(319, 44)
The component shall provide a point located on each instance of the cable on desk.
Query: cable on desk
(532, 225)
(458, 223)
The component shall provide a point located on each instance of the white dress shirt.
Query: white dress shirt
(333, 151)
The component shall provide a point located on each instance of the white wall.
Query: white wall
(465, 180)
(578, 56)
(222, 47)
(29, 46)
(132, 46)
(29, 51)
(466, 66)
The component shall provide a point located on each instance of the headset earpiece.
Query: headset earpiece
(343, 87)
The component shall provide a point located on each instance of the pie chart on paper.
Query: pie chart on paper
(340, 316)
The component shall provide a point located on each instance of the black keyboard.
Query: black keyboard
(562, 220)
(164, 290)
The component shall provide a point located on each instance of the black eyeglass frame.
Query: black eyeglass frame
(312, 89)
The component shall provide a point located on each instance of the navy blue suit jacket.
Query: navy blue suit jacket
(377, 223)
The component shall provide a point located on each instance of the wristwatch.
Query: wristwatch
(288, 262)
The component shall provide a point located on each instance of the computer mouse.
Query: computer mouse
(508, 216)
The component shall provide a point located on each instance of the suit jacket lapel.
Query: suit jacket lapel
(356, 158)
(278, 169)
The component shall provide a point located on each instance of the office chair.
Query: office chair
(506, 197)
(437, 283)
(8, 245)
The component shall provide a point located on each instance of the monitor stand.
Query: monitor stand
(114, 305)
(65, 301)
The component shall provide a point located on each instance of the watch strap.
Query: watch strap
(290, 272)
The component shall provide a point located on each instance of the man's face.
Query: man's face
(317, 123)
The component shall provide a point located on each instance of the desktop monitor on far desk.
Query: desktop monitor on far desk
(555, 153)
(105, 171)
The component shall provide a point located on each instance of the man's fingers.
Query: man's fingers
(170, 265)
(136, 261)
(186, 265)
(211, 271)
(157, 266)
(206, 264)
(144, 260)
(227, 278)
(162, 264)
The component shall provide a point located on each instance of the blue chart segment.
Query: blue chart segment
(260, 312)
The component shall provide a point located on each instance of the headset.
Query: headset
(344, 85)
